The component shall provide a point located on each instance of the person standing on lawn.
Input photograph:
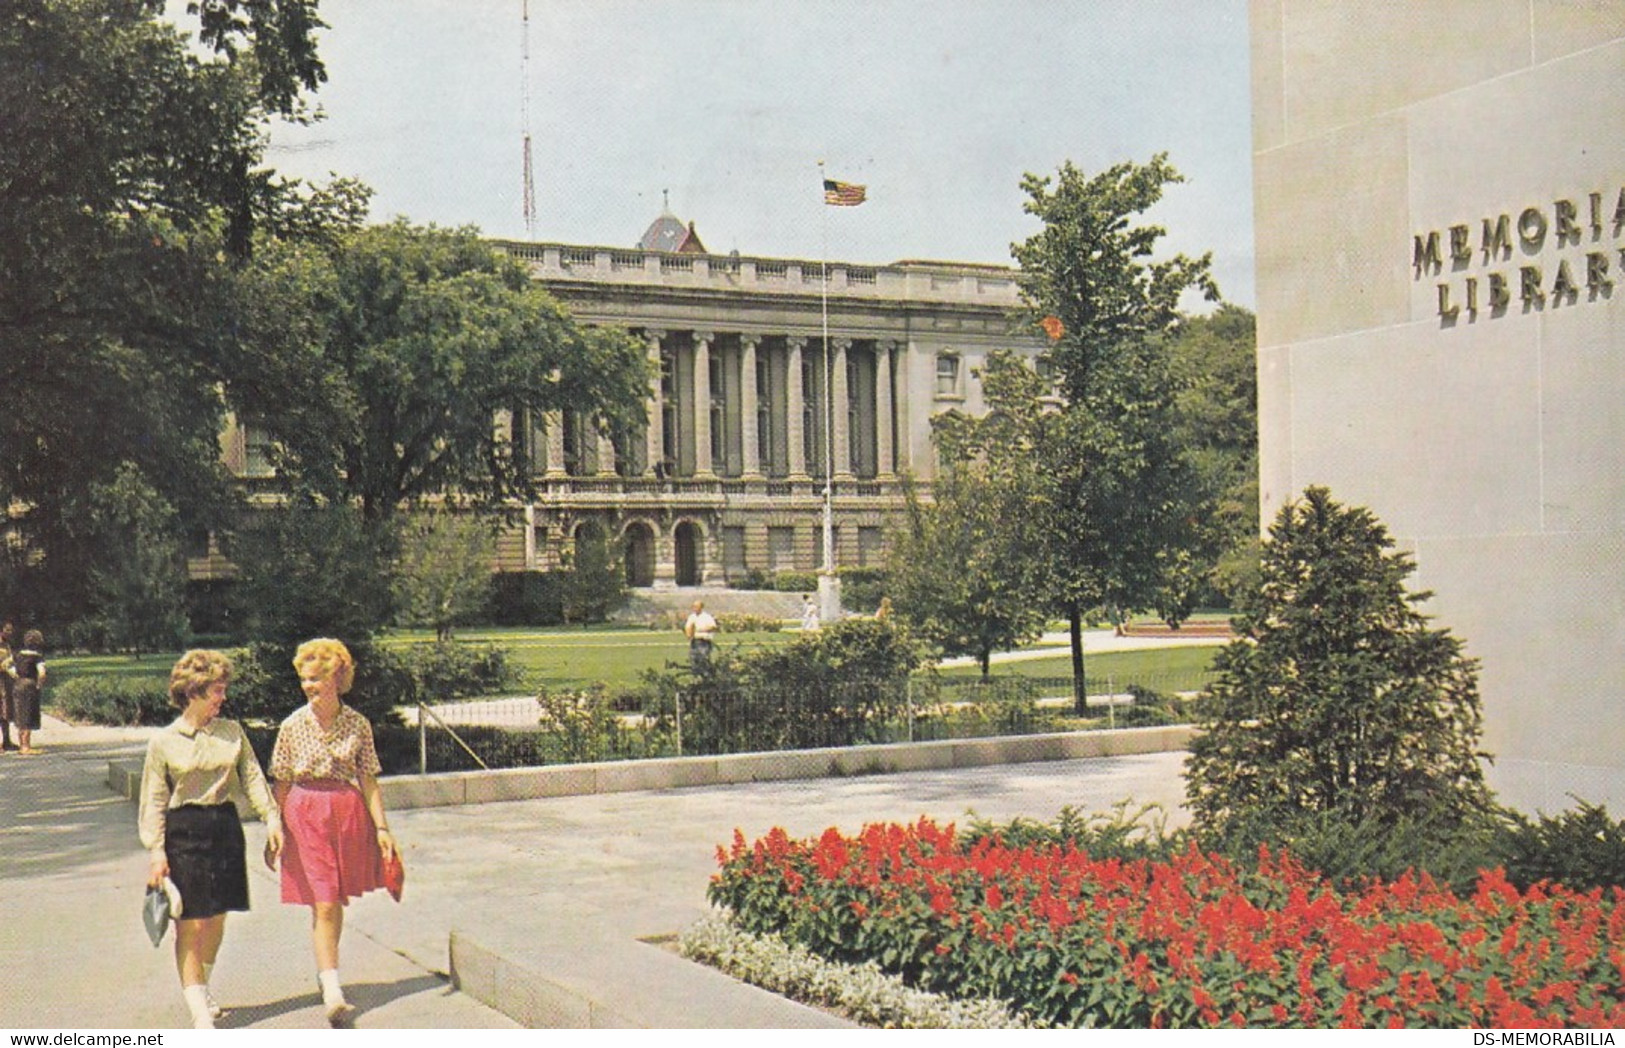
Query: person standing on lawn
(8, 638)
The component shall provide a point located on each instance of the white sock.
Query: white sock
(332, 992)
(197, 1002)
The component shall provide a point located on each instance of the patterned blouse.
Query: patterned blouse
(305, 751)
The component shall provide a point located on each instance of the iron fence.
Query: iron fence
(696, 714)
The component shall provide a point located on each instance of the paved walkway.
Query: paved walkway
(564, 887)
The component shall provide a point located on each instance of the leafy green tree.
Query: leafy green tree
(1122, 501)
(1336, 699)
(594, 577)
(961, 570)
(442, 576)
(138, 578)
(307, 570)
(381, 363)
(1214, 360)
(130, 182)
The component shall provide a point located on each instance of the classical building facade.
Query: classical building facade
(1440, 227)
(773, 376)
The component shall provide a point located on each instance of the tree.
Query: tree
(961, 570)
(1122, 500)
(1336, 699)
(594, 581)
(129, 184)
(1214, 361)
(308, 569)
(381, 363)
(138, 578)
(442, 577)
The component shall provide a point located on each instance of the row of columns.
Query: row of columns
(654, 438)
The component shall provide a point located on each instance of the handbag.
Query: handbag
(394, 874)
(155, 913)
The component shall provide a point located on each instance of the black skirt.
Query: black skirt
(205, 847)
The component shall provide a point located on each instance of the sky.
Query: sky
(726, 107)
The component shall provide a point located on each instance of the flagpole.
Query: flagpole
(829, 594)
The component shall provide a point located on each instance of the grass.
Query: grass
(573, 657)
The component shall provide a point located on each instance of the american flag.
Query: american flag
(843, 194)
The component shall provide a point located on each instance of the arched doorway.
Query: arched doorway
(688, 541)
(640, 555)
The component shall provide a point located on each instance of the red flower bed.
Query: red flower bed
(1195, 942)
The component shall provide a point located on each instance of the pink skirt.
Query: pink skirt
(330, 845)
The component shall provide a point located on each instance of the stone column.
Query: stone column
(654, 443)
(837, 416)
(702, 403)
(749, 396)
(796, 402)
(554, 421)
(885, 468)
(665, 553)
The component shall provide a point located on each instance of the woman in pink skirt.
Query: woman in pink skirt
(336, 837)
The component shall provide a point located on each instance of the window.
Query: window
(781, 549)
(258, 452)
(719, 414)
(947, 375)
(764, 414)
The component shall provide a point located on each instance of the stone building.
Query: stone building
(1440, 224)
(751, 405)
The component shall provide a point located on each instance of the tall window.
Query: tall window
(258, 448)
(812, 417)
(854, 414)
(719, 415)
(947, 375)
(764, 414)
(668, 415)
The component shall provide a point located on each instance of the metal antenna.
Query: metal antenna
(524, 106)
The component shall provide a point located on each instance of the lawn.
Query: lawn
(568, 657)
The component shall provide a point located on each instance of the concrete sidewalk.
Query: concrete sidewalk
(539, 907)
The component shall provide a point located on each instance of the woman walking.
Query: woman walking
(326, 771)
(194, 770)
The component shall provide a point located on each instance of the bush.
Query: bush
(796, 581)
(120, 701)
(862, 588)
(738, 622)
(448, 671)
(527, 598)
(753, 579)
(1582, 848)
(1336, 698)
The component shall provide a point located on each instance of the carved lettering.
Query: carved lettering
(1472, 294)
(1497, 239)
(1532, 228)
(1619, 212)
(1499, 295)
(1446, 310)
(1597, 272)
(1425, 254)
(1563, 287)
(1529, 286)
(1566, 229)
(1596, 214)
(1461, 248)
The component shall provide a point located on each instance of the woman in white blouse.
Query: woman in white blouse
(326, 770)
(195, 768)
